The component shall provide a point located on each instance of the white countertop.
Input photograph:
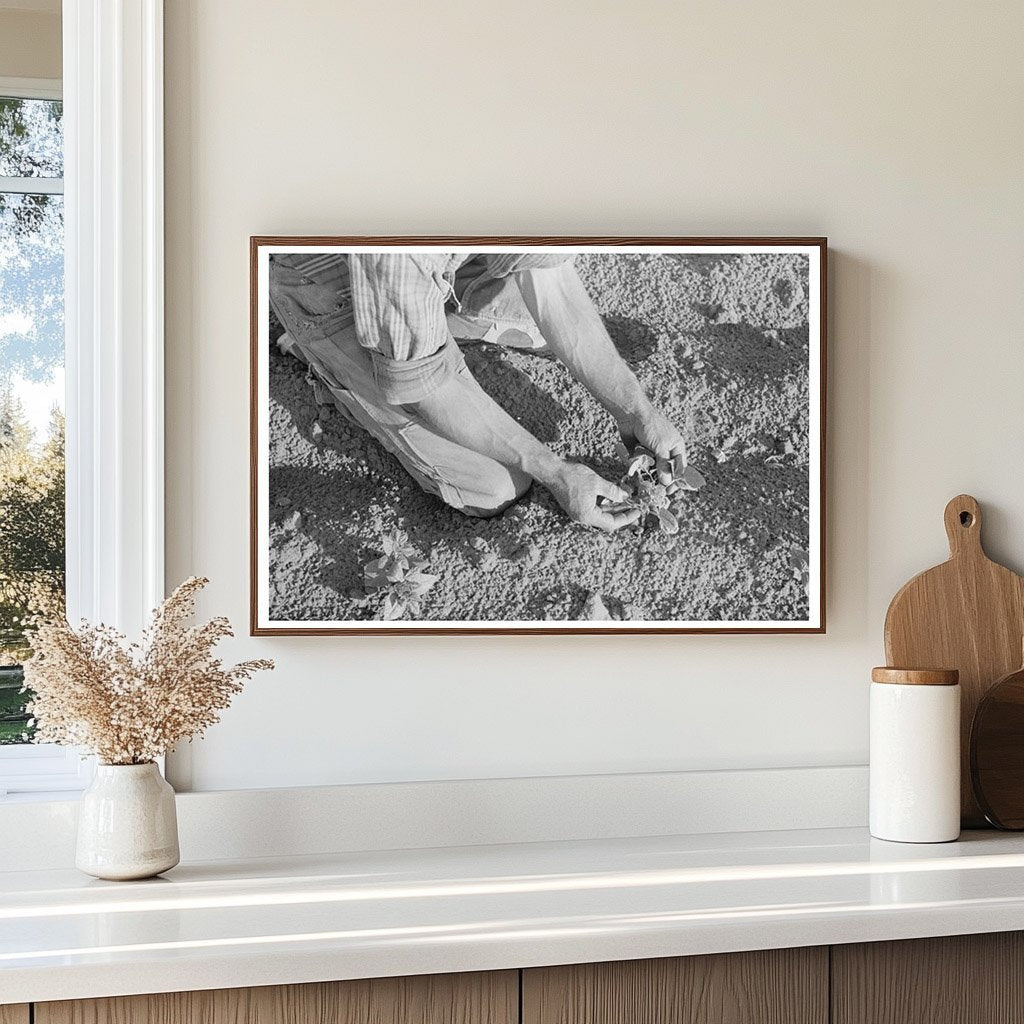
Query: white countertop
(353, 915)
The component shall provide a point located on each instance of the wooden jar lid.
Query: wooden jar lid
(916, 676)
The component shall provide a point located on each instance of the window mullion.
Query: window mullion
(32, 186)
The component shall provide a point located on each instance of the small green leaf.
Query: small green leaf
(639, 463)
(374, 575)
(691, 480)
(668, 522)
(421, 583)
(395, 568)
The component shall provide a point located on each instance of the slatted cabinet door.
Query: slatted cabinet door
(14, 1014)
(961, 979)
(491, 998)
(778, 986)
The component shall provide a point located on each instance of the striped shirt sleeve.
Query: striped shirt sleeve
(501, 264)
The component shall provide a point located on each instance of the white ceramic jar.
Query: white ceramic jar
(127, 823)
(915, 755)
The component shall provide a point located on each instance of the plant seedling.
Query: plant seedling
(727, 449)
(398, 576)
(799, 562)
(646, 493)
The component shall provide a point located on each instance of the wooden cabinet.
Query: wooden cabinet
(491, 998)
(778, 986)
(962, 979)
(969, 979)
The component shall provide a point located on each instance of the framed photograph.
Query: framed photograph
(537, 435)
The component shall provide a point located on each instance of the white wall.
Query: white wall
(895, 129)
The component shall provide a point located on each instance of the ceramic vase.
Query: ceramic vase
(127, 825)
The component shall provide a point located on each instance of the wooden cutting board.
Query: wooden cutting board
(967, 614)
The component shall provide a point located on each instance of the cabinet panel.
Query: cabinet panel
(779, 986)
(962, 979)
(483, 998)
(14, 1014)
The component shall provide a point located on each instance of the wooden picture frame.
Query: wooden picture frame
(756, 345)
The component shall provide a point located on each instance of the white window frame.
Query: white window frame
(114, 265)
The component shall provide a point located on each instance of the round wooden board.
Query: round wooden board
(997, 752)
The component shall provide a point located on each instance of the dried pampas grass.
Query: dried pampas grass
(130, 703)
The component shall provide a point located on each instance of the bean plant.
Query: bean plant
(398, 577)
(646, 493)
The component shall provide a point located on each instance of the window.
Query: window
(32, 532)
(31, 383)
(112, 213)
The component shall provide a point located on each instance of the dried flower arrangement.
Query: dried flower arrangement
(130, 703)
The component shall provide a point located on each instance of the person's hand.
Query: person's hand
(660, 437)
(577, 488)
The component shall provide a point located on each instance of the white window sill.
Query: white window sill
(42, 771)
(43, 797)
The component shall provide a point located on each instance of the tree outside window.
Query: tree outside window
(32, 529)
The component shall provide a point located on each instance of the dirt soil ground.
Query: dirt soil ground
(720, 342)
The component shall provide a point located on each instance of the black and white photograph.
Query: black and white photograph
(545, 435)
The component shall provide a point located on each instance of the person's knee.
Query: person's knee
(497, 490)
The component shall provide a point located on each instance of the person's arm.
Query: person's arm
(575, 333)
(399, 313)
(463, 412)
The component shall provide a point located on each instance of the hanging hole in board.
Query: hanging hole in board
(966, 519)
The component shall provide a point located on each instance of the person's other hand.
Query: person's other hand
(577, 488)
(660, 437)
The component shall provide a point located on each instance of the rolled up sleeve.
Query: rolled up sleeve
(398, 301)
(404, 381)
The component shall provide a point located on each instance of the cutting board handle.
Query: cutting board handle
(963, 526)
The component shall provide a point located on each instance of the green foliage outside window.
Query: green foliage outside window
(31, 356)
